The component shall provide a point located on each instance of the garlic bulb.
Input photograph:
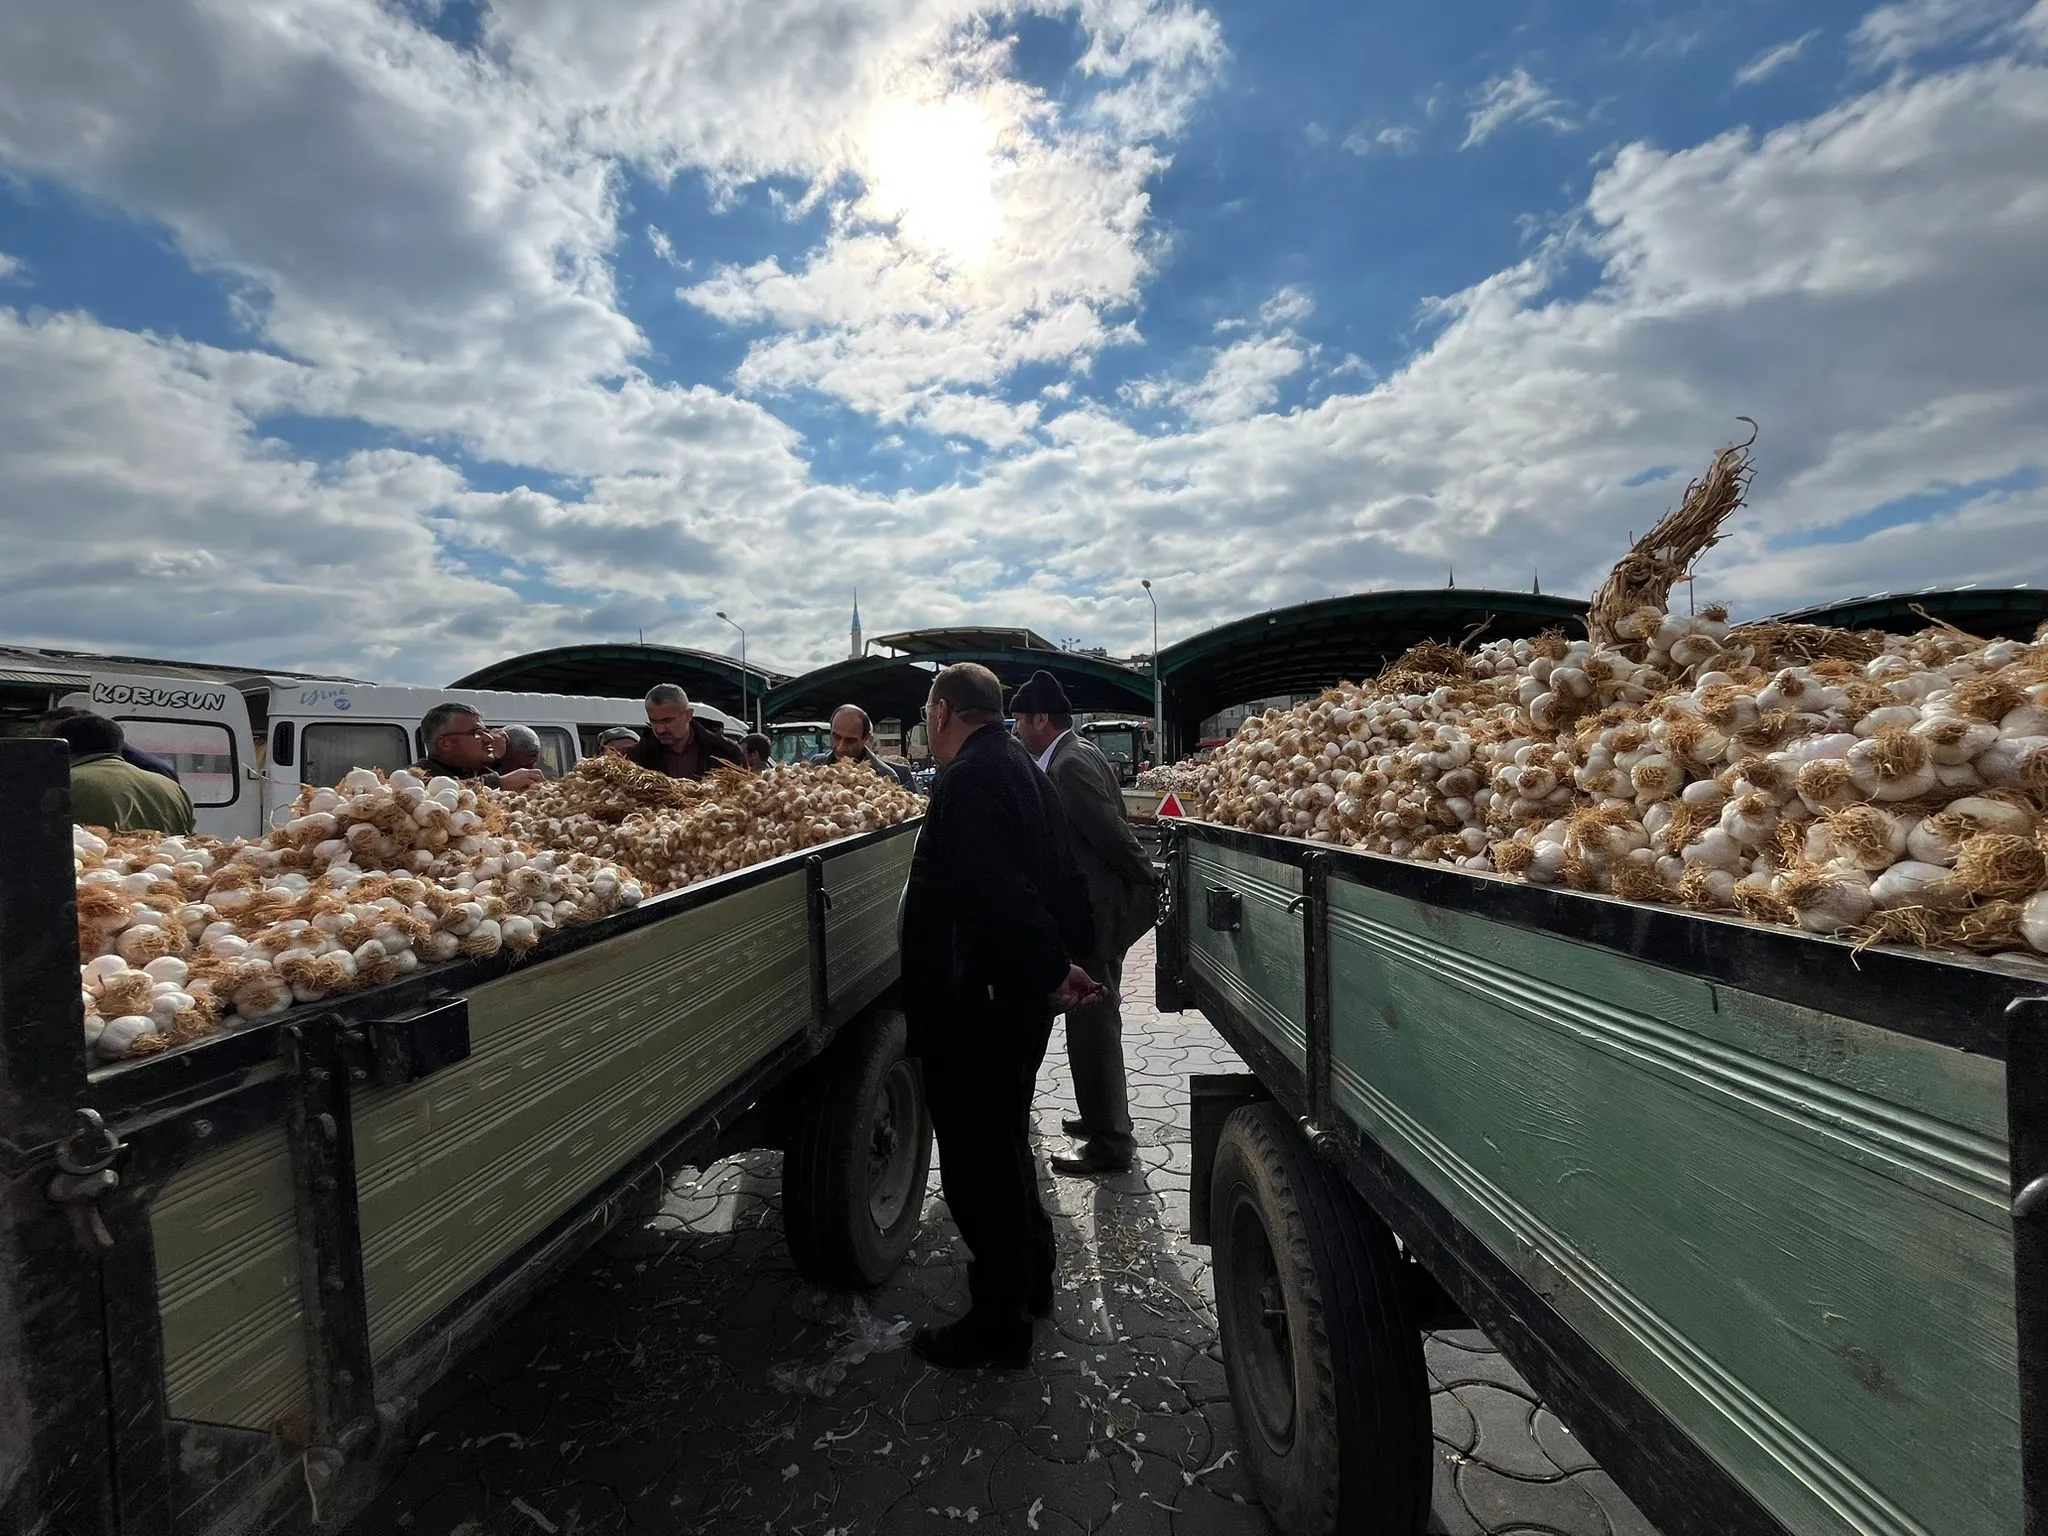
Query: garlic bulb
(2034, 922)
(119, 1036)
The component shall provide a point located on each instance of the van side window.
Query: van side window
(328, 749)
(557, 750)
(203, 754)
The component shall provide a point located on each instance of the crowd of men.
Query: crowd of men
(1026, 889)
(116, 786)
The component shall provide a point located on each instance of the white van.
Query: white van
(243, 749)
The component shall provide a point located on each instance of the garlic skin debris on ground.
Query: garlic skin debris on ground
(1880, 787)
(182, 936)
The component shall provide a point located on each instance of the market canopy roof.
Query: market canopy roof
(893, 687)
(1308, 647)
(618, 671)
(968, 639)
(1994, 613)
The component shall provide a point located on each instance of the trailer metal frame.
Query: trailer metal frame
(103, 1452)
(1978, 1008)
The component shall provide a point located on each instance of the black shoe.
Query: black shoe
(1080, 1130)
(967, 1346)
(1092, 1160)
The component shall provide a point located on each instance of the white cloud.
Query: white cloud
(1903, 31)
(980, 417)
(1513, 98)
(1807, 277)
(665, 249)
(992, 228)
(1771, 60)
(1241, 379)
(1397, 138)
(12, 268)
(1290, 304)
(146, 514)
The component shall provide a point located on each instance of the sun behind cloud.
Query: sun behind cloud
(930, 169)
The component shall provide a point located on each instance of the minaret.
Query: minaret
(856, 625)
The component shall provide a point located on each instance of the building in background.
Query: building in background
(1224, 723)
(856, 652)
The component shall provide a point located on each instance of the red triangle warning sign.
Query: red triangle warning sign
(1170, 806)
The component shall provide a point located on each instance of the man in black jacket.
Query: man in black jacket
(677, 743)
(994, 916)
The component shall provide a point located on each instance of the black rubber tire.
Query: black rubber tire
(844, 1229)
(1325, 1368)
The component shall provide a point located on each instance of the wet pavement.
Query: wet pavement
(683, 1378)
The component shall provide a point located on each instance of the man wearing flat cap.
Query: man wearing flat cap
(994, 919)
(1121, 892)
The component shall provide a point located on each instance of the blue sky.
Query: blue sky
(396, 338)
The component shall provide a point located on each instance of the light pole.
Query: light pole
(1158, 704)
(743, 672)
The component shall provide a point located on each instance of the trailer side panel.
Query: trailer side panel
(1789, 1228)
(1258, 964)
(864, 887)
(227, 1252)
(572, 1067)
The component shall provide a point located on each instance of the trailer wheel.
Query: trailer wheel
(1325, 1370)
(853, 1180)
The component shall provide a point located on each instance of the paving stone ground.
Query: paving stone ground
(682, 1378)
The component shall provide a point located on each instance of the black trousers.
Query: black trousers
(981, 1113)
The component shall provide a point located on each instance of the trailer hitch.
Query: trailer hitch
(85, 1173)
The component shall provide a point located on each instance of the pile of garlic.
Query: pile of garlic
(361, 884)
(673, 832)
(1894, 789)
(1189, 778)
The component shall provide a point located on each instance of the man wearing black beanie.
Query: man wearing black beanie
(1121, 894)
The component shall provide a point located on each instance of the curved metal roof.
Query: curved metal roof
(1312, 645)
(626, 672)
(933, 642)
(893, 687)
(1995, 613)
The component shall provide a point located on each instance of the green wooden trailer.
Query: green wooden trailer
(228, 1272)
(1757, 1214)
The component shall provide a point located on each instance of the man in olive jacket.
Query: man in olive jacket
(1122, 891)
(995, 915)
(107, 791)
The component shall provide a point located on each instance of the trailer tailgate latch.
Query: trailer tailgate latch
(1225, 909)
(85, 1172)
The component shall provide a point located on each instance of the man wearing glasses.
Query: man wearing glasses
(459, 745)
(993, 917)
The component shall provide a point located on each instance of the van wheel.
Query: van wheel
(1325, 1371)
(853, 1180)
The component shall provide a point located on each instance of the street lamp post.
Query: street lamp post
(1158, 704)
(743, 672)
